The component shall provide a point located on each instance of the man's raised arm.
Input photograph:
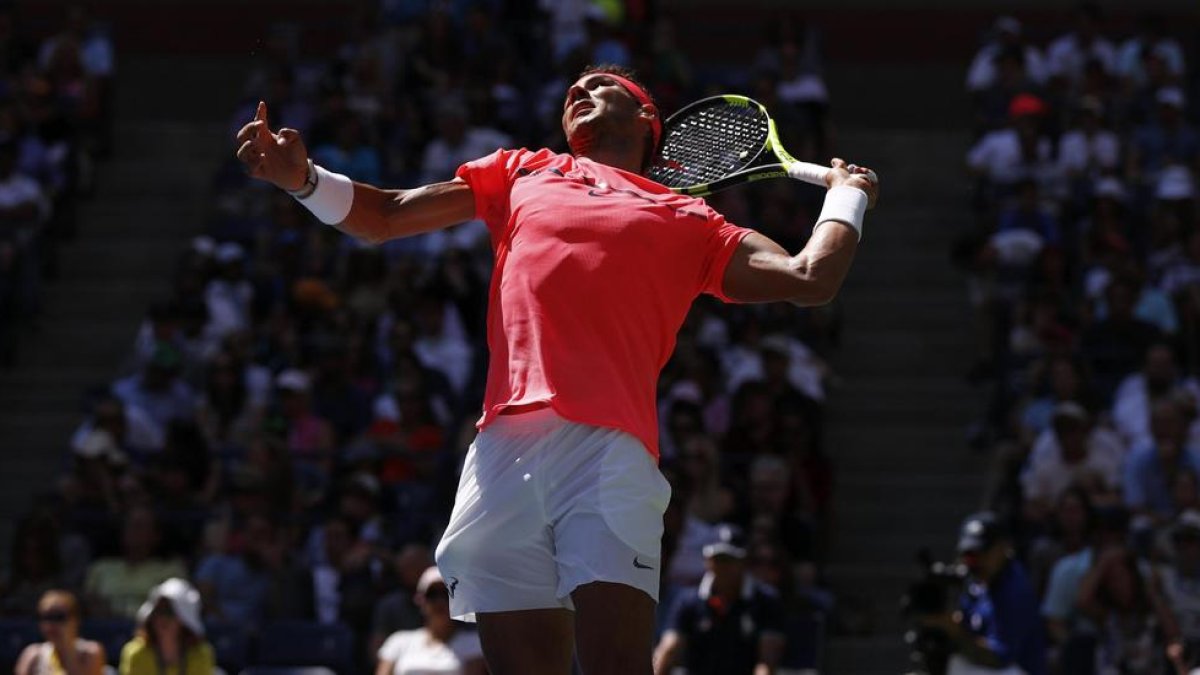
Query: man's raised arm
(762, 271)
(360, 210)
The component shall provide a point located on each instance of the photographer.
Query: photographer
(997, 628)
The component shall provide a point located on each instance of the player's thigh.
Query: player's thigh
(497, 554)
(614, 629)
(608, 518)
(528, 642)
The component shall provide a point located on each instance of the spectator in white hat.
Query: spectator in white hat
(440, 647)
(170, 636)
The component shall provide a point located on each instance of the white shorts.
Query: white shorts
(544, 506)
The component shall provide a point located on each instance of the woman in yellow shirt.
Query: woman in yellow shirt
(170, 636)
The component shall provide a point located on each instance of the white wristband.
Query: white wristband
(330, 201)
(844, 204)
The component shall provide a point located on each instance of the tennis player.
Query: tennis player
(554, 542)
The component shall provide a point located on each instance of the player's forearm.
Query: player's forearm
(821, 268)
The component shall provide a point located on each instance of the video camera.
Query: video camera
(936, 593)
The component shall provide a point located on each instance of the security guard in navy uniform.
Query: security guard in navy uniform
(731, 624)
(998, 627)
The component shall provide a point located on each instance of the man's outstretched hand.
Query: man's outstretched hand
(278, 158)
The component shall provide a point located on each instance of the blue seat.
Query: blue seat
(805, 640)
(306, 643)
(231, 645)
(111, 633)
(15, 635)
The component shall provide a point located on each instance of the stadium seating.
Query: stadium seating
(306, 643)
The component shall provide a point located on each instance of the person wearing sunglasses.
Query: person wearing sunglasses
(169, 639)
(63, 652)
(440, 647)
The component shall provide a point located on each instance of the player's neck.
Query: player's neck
(618, 155)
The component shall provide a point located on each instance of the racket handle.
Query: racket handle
(809, 173)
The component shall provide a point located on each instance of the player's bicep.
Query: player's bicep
(761, 270)
(380, 215)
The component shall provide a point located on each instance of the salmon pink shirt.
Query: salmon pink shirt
(595, 270)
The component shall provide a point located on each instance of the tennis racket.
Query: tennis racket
(721, 141)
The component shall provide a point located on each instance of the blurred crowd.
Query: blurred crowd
(1084, 267)
(55, 125)
(288, 429)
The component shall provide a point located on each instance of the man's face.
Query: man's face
(985, 562)
(597, 105)
(726, 569)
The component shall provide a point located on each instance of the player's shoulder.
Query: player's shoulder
(523, 160)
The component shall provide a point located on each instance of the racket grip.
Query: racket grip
(809, 173)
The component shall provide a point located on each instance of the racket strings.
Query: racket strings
(710, 143)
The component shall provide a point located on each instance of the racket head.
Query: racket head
(711, 139)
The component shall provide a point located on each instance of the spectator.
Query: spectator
(1115, 346)
(1178, 582)
(1068, 532)
(707, 630)
(457, 141)
(440, 645)
(1005, 35)
(1153, 466)
(1089, 149)
(1118, 598)
(63, 651)
(1072, 452)
(1164, 142)
(24, 212)
(236, 585)
(117, 586)
(1151, 36)
(1064, 381)
(97, 466)
(771, 511)
(1067, 56)
(158, 390)
(43, 558)
(398, 611)
(351, 152)
(342, 588)
(998, 627)
(1158, 379)
(130, 427)
(228, 414)
(1006, 156)
(709, 500)
(309, 436)
(1069, 627)
(170, 636)
(228, 295)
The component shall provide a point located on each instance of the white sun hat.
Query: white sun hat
(185, 603)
